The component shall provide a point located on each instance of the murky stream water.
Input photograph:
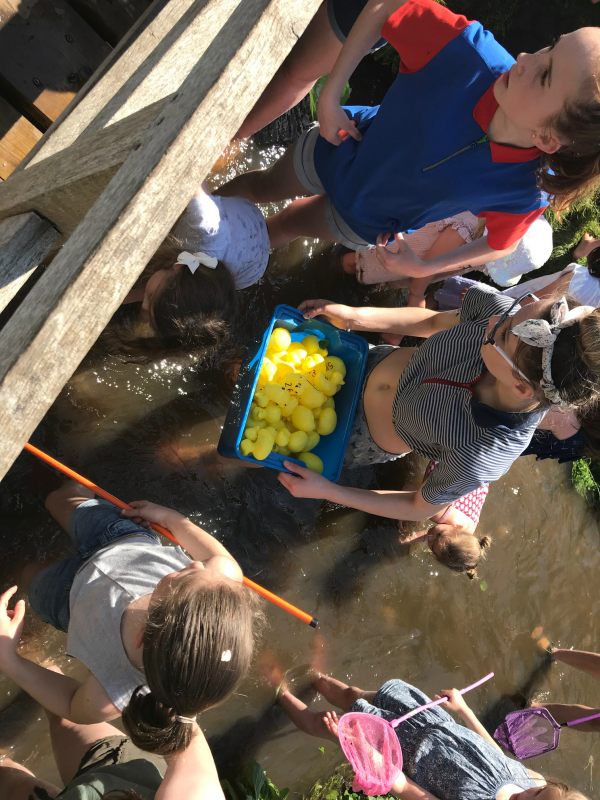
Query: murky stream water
(385, 611)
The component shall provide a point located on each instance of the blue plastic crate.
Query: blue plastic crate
(348, 346)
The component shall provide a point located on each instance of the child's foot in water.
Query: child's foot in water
(339, 693)
(586, 245)
(321, 724)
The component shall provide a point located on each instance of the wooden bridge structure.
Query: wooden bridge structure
(85, 211)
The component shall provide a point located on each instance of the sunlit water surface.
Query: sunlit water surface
(385, 611)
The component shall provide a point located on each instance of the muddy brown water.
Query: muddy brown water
(385, 610)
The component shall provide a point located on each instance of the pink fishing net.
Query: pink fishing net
(371, 746)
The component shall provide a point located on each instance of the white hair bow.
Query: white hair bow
(193, 260)
(541, 333)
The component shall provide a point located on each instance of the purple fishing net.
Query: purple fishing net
(528, 733)
(371, 746)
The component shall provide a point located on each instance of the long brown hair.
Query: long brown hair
(575, 361)
(198, 644)
(574, 170)
(193, 312)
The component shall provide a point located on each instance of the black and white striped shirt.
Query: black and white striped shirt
(436, 413)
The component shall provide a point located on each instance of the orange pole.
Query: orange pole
(93, 487)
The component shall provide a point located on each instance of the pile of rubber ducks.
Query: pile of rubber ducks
(293, 404)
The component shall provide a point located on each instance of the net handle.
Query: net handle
(394, 723)
(581, 720)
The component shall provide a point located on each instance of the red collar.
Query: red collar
(482, 114)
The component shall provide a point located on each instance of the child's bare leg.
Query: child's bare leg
(306, 216)
(71, 741)
(311, 722)
(586, 245)
(312, 56)
(339, 693)
(278, 182)
(19, 783)
(63, 501)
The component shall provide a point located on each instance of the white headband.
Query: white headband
(193, 260)
(541, 333)
(185, 720)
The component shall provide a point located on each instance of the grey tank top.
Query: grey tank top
(103, 588)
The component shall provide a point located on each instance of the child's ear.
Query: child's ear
(547, 141)
(523, 390)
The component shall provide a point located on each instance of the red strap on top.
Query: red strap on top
(459, 385)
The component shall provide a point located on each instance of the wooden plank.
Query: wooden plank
(48, 52)
(63, 188)
(140, 65)
(111, 19)
(18, 137)
(154, 9)
(90, 276)
(24, 243)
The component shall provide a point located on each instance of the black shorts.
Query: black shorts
(342, 16)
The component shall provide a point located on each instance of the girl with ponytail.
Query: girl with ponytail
(164, 635)
(188, 290)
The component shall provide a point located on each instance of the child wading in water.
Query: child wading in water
(469, 398)
(463, 126)
(164, 637)
(187, 291)
(442, 760)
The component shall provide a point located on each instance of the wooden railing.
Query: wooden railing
(110, 178)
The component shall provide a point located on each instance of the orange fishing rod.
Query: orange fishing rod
(93, 487)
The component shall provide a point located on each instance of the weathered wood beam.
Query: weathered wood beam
(24, 243)
(160, 59)
(90, 276)
(65, 186)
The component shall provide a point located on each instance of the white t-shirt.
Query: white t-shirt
(228, 228)
(583, 287)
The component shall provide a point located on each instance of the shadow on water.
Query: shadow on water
(386, 610)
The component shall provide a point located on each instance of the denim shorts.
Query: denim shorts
(343, 14)
(94, 525)
(304, 167)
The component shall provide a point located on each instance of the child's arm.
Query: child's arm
(365, 31)
(199, 544)
(421, 322)
(457, 703)
(406, 264)
(406, 789)
(191, 774)
(63, 696)
(394, 505)
(580, 659)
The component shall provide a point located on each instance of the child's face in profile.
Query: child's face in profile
(539, 85)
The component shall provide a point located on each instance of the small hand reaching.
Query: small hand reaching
(304, 482)
(337, 314)
(397, 257)
(143, 511)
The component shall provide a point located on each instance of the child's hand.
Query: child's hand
(144, 511)
(304, 482)
(456, 701)
(11, 626)
(397, 257)
(334, 123)
(337, 314)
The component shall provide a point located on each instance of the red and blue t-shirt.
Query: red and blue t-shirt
(424, 154)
